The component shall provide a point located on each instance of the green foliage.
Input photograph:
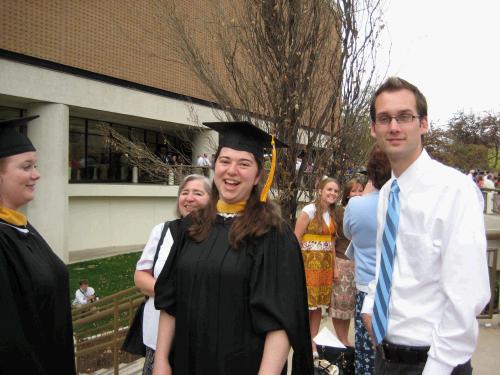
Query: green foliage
(106, 275)
(469, 156)
(469, 141)
(493, 159)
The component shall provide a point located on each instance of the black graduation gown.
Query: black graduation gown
(226, 300)
(36, 335)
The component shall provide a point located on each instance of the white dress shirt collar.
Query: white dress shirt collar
(415, 172)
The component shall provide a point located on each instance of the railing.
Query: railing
(99, 329)
(491, 200)
(134, 175)
(181, 171)
(493, 236)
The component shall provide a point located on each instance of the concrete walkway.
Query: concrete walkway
(492, 221)
(486, 359)
(132, 368)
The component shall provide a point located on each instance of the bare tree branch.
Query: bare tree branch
(301, 69)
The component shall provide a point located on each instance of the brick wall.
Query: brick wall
(125, 39)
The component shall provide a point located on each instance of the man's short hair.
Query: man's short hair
(84, 282)
(395, 84)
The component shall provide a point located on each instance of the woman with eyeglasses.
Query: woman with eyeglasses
(194, 193)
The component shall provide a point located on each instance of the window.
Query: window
(7, 113)
(91, 158)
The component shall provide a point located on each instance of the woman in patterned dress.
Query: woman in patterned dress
(344, 291)
(315, 229)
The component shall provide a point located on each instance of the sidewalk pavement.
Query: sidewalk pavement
(486, 358)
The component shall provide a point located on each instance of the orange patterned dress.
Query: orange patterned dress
(318, 251)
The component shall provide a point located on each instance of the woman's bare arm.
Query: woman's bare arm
(166, 332)
(276, 349)
(145, 281)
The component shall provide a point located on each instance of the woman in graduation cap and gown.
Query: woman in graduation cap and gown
(35, 312)
(232, 293)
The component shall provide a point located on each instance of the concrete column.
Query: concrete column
(205, 142)
(48, 212)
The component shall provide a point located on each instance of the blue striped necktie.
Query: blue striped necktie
(388, 253)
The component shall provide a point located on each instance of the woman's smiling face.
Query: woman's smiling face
(192, 197)
(236, 173)
(329, 193)
(356, 190)
(18, 177)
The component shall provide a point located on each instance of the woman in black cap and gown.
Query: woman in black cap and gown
(36, 335)
(232, 293)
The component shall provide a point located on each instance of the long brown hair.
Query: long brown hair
(256, 219)
(318, 215)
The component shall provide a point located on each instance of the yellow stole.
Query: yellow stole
(230, 208)
(13, 217)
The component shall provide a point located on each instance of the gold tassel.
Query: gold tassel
(269, 181)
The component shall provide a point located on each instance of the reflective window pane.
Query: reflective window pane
(93, 159)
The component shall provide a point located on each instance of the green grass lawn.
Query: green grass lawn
(106, 275)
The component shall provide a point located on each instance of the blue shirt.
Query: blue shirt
(360, 226)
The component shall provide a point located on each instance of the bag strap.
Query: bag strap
(160, 242)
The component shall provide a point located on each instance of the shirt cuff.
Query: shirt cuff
(367, 305)
(144, 265)
(433, 367)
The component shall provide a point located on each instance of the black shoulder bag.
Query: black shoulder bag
(134, 343)
(342, 358)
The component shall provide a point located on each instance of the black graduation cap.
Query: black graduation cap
(11, 141)
(243, 136)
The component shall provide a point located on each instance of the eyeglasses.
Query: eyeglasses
(401, 119)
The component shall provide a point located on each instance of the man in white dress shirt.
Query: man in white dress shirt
(439, 275)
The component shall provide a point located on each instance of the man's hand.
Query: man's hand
(367, 321)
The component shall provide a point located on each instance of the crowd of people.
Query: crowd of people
(484, 180)
(231, 288)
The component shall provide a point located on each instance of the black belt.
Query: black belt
(411, 355)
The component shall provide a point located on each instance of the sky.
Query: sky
(449, 49)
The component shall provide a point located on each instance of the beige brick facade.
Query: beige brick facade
(125, 39)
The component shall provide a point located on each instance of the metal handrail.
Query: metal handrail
(492, 256)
